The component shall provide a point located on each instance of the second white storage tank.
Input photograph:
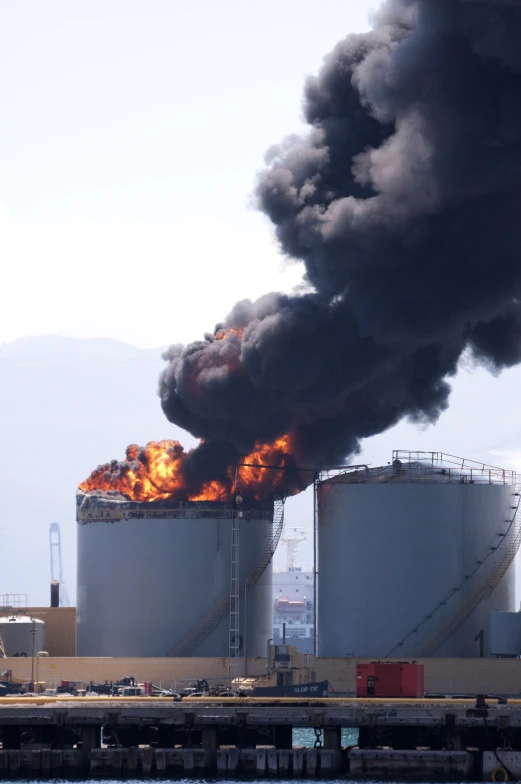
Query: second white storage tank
(404, 551)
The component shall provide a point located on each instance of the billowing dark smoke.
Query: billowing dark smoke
(404, 203)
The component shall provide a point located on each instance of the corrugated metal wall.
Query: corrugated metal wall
(60, 628)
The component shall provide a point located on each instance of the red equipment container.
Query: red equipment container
(389, 679)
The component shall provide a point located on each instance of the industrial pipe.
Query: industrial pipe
(39, 655)
(268, 655)
(55, 593)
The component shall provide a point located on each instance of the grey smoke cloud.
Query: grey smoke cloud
(403, 202)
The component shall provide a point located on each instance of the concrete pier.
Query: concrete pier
(260, 763)
(47, 737)
(384, 763)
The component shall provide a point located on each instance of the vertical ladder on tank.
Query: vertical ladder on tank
(234, 638)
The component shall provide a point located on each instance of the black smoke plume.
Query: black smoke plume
(404, 203)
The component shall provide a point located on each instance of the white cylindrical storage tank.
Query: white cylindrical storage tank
(17, 635)
(412, 558)
(154, 578)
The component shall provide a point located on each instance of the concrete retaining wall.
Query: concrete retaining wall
(442, 676)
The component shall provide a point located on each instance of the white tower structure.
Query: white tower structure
(292, 537)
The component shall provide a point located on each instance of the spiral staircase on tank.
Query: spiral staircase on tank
(195, 636)
(450, 614)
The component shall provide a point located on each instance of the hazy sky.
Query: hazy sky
(130, 137)
(131, 134)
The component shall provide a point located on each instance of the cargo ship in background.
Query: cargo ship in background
(293, 597)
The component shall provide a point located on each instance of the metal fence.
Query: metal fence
(453, 468)
(424, 467)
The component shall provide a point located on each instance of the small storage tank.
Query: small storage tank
(154, 578)
(17, 635)
(413, 556)
(504, 634)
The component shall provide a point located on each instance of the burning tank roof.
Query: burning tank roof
(104, 507)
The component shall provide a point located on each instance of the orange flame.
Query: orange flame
(223, 333)
(155, 473)
(255, 474)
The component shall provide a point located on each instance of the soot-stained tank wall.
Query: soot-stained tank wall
(145, 582)
(390, 553)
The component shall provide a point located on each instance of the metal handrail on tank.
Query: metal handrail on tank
(474, 467)
(448, 625)
(455, 476)
(195, 636)
(13, 601)
(418, 472)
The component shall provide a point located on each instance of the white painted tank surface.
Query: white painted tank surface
(413, 556)
(16, 632)
(154, 578)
